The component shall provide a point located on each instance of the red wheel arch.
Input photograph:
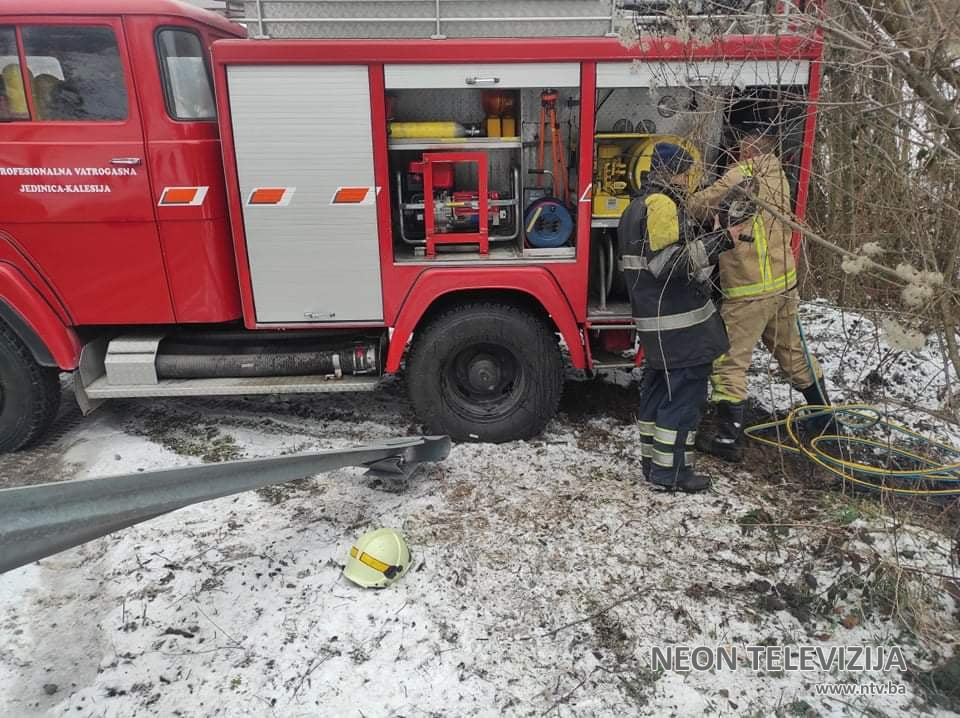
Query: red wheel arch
(534, 282)
(28, 313)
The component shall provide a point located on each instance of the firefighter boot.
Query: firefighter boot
(673, 467)
(816, 394)
(726, 441)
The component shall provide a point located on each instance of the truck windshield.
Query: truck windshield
(186, 81)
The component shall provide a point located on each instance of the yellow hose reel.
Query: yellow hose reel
(621, 166)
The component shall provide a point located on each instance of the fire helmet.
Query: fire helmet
(378, 558)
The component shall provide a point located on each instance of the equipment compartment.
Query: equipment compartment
(480, 144)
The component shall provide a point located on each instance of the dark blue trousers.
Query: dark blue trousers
(671, 404)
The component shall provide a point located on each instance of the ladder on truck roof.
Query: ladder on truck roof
(440, 19)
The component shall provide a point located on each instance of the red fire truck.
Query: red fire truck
(188, 212)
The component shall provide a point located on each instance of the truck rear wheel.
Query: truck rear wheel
(29, 394)
(485, 372)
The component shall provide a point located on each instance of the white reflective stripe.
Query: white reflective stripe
(676, 321)
(691, 438)
(688, 458)
(646, 450)
(646, 428)
(663, 458)
(697, 252)
(658, 265)
(634, 261)
(665, 436)
(586, 196)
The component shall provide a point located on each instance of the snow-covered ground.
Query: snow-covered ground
(544, 572)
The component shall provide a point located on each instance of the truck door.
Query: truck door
(304, 154)
(183, 152)
(74, 188)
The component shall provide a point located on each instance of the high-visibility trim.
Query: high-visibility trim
(665, 436)
(777, 284)
(663, 221)
(368, 560)
(183, 196)
(720, 395)
(689, 459)
(352, 196)
(647, 428)
(646, 449)
(691, 438)
(676, 321)
(271, 196)
(634, 261)
(768, 283)
(719, 390)
(759, 232)
(663, 458)
(763, 249)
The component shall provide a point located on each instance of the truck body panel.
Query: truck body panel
(308, 191)
(163, 177)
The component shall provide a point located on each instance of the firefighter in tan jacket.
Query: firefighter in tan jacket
(759, 284)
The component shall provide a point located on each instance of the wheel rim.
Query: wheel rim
(483, 382)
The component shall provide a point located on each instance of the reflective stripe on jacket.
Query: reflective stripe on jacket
(766, 266)
(677, 323)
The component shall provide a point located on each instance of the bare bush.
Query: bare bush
(884, 212)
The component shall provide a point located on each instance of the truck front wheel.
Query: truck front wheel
(485, 372)
(29, 394)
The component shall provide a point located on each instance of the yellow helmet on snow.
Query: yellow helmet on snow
(378, 558)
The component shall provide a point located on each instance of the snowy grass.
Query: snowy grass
(543, 572)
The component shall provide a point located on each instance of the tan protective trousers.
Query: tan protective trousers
(772, 319)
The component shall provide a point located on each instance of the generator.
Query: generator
(454, 211)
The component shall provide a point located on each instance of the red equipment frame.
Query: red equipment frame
(481, 236)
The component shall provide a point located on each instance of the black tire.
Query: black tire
(29, 394)
(485, 371)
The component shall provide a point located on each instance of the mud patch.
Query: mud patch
(187, 435)
(585, 400)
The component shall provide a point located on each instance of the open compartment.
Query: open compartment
(448, 145)
(470, 178)
(701, 106)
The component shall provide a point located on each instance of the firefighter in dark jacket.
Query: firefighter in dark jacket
(667, 261)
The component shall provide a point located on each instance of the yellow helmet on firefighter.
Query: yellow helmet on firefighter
(378, 558)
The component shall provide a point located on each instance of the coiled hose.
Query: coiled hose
(904, 462)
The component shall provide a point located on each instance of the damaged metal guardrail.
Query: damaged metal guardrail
(41, 520)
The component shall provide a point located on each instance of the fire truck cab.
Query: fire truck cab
(188, 212)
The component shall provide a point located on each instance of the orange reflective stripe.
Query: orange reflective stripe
(267, 195)
(351, 195)
(183, 196)
(179, 195)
